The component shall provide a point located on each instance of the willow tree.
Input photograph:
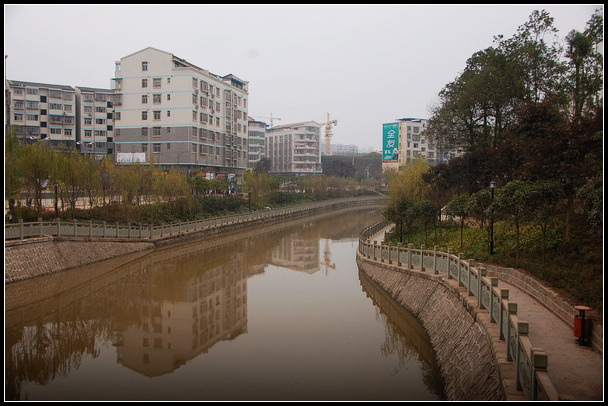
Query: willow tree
(408, 181)
(37, 167)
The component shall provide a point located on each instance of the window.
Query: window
(144, 83)
(144, 115)
(156, 131)
(156, 148)
(157, 115)
(88, 121)
(87, 133)
(144, 66)
(144, 131)
(156, 98)
(144, 147)
(156, 83)
(144, 99)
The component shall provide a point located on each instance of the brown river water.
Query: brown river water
(277, 312)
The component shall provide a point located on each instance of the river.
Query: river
(278, 312)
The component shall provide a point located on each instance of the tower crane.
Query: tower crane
(271, 118)
(328, 125)
(327, 262)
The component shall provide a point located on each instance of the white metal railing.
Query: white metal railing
(530, 362)
(80, 228)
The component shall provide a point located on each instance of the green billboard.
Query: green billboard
(390, 142)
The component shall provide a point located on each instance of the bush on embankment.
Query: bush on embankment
(572, 266)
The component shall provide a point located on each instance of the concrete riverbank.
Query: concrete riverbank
(576, 371)
(33, 257)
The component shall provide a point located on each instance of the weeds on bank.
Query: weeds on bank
(571, 266)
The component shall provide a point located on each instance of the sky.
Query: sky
(365, 65)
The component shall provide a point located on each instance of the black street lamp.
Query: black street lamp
(492, 186)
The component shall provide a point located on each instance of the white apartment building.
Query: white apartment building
(257, 141)
(295, 149)
(95, 121)
(175, 114)
(413, 143)
(41, 111)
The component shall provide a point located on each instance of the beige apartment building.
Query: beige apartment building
(295, 149)
(41, 111)
(95, 121)
(411, 142)
(256, 142)
(175, 114)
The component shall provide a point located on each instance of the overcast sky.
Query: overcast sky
(364, 64)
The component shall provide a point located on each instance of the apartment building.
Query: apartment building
(95, 121)
(405, 140)
(41, 111)
(175, 114)
(257, 141)
(295, 149)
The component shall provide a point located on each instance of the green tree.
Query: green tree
(37, 169)
(512, 202)
(12, 168)
(459, 207)
(426, 212)
(543, 201)
(585, 64)
(71, 176)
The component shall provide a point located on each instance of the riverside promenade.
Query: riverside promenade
(576, 371)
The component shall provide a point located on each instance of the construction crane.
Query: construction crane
(271, 118)
(327, 262)
(328, 124)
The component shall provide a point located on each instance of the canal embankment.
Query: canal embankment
(469, 363)
(49, 254)
(534, 351)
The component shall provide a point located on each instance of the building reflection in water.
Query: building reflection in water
(159, 310)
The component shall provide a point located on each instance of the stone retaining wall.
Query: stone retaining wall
(44, 256)
(464, 351)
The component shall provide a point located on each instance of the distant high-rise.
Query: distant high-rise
(405, 140)
(175, 114)
(257, 141)
(295, 148)
(41, 111)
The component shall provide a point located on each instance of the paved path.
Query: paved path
(577, 372)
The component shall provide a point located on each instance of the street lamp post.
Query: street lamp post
(56, 206)
(249, 199)
(492, 187)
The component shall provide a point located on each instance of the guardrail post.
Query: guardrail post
(522, 330)
(482, 274)
(399, 245)
(90, 228)
(460, 259)
(422, 248)
(40, 227)
(449, 260)
(75, 228)
(512, 309)
(104, 229)
(410, 264)
(58, 227)
(435, 249)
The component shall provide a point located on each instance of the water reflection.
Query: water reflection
(155, 313)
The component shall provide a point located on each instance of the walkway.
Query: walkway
(577, 372)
